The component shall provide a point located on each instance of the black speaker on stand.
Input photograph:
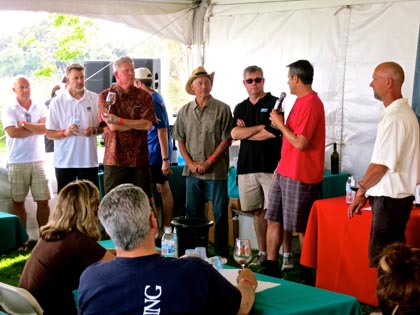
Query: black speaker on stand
(99, 75)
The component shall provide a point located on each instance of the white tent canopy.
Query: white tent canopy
(169, 18)
(344, 40)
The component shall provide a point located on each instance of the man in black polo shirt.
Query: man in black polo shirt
(259, 152)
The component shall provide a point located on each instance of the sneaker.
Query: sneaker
(258, 260)
(287, 263)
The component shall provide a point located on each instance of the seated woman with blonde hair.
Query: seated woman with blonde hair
(68, 244)
(399, 280)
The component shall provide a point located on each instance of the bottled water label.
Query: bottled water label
(168, 248)
(350, 194)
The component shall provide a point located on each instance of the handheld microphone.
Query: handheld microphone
(278, 106)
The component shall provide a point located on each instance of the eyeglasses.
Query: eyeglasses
(257, 80)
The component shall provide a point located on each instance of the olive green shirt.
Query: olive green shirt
(202, 130)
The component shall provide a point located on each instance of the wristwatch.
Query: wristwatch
(165, 159)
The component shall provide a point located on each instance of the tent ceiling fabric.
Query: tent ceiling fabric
(171, 19)
(117, 7)
(227, 7)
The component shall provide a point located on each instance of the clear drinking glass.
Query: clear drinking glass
(110, 100)
(242, 252)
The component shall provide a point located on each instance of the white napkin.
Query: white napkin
(231, 275)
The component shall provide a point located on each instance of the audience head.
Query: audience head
(54, 90)
(387, 80)
(399, 278)
(125, 213)
(254, 81)
(76, 209)
(253, 69)
(22, 88)
(303, 70)
(75, 78)
(124, 71)
(144, 76)
(199, 82)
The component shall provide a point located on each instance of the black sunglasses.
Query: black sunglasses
(257, 80)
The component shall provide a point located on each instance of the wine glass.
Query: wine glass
(354, 183)
(110, 99)
(242, 251)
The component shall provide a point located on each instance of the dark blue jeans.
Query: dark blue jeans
(198, 192)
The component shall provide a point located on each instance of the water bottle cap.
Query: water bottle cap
(167, 229)
(201, 251)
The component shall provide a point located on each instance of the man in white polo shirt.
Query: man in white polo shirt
(24, 123)
(73, 124)
(393, 173)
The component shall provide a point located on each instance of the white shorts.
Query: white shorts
(253, 190)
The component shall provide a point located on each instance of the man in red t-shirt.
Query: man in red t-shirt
(299, 173)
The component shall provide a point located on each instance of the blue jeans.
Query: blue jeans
(198, 192)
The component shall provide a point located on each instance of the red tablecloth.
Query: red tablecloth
(337, 247)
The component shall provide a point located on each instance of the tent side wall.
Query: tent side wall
(344, 43)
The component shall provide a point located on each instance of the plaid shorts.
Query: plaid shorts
(290, 202)
(25, 175)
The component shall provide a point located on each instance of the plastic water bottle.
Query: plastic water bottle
(202, 252)
(176, 242)
(217, 262)
(168, 247)
(349, 193)
(174, 158)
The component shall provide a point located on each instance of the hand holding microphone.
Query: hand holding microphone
(278, 108)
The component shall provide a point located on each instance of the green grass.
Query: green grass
(11, 267)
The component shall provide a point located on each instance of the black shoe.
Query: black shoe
(308, 276)
(274, 273)
(271, 268)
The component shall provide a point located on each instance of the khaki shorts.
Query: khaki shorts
(253, 190)
(25, 175)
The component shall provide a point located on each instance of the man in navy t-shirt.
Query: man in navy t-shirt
(140, 281)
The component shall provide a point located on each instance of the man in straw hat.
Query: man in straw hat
(202, 129)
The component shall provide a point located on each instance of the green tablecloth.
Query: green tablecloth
(12, 232)
(332, 185)
(291, 298)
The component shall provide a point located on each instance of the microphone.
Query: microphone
(278, 105)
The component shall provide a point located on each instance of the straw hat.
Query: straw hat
(197, 73)
(142, 74)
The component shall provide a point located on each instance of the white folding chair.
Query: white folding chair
(18, 301)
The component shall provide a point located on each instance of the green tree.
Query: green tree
(46, 48)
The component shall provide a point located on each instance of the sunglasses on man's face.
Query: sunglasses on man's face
(257, 80)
